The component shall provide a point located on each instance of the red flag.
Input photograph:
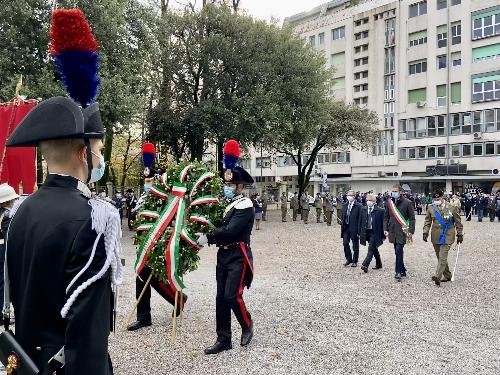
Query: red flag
(18, 164)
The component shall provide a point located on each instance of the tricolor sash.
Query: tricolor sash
(405, 224)
(445, 224)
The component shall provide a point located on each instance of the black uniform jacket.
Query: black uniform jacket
(354, 218)
(234, 234)
(50, 240)
(377, 226)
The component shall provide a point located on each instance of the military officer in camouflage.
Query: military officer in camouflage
(294, 205)
(444, 223)
(318, 204)
(304, 205)
(284, 210)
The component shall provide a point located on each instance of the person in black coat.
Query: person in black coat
(234, 259)
(468, 203)
(350, 229)
(371, 231)
(63, 247)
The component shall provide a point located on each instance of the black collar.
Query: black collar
(66, 182)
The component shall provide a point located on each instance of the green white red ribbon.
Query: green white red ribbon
(201, 219)
(204, 200)
(403, 221)
(150, 214)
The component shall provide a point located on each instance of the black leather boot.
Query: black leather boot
(218, 347)
(139, 324)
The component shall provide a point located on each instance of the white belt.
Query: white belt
(2, 242)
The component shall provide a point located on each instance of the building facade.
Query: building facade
(431, 70)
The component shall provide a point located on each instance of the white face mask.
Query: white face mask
(350, 198)
(370, 203)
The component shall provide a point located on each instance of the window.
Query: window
(456, 2)
(360, 75)
(389, 84)
(431, 126)
(418, 38)
(486, 88)
(442, 36)
(321, 39)
(338, 60)
(441, 151)
(441, 62)
(421, 127)
(478, 149)
(441, 124)
(338, 33)
(456, 59)
(489, 120)
(456, 33)
(441, 95)
(390, 60)
(456, 92)
(416, 67)
(486, 23)
(485, 53)
(498, 120)
(489, 148)
(466, 150)
(402, 153)
(361, 35)
(411, 153)
(390, 32)
(312, 40)
(339, 83)
(417, 9)
(455, 124)
(477, 121)
(421, 152)
(441, 4)
(455, 151)
(466, 123)
(418, 95)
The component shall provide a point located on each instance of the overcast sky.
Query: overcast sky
(265, 9)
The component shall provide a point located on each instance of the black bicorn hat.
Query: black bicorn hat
(92, 122)
(438, 193)
(55, 118)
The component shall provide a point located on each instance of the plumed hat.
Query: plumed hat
(438, 193)
(148, 159)
(233, 173)
(74, 50)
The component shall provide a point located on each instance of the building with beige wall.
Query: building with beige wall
(421, 65)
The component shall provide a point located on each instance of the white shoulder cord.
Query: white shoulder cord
(105, 221)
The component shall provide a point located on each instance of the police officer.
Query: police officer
(444, 223)
(284, 209)
(318, 204)
(62, 248)
(234, 259)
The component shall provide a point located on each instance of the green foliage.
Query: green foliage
(189, 257)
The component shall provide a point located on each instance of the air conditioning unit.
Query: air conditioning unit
(397, 173)
(495, 171)
(381, 174)
(439, 162)
(453, 161)
(420, 104)
(478, 135)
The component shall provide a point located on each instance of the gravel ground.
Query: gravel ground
(313, 316)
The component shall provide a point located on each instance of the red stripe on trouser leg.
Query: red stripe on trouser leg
(239, 298)
(166, 289)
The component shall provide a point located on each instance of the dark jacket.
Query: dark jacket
(50, 240)
(235, 231)
(378, 236)
(355, 217)
(392, 226)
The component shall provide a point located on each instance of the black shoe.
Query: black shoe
(364, 269)
(354, 265)
(403, 274)
(180, 307)
(247, 335)
(376, 267)
(445, 280)
(436, 280)
(397, 276)
(138, 324)
(218, 347)
(346, 264)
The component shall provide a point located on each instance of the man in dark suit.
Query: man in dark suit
(371, 231)
(399, 226)
(350, 229)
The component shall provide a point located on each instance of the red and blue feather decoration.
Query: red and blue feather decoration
(231, 154)
(75, 51)
(148, 154)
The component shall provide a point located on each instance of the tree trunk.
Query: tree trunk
(125, 159)
(220, 157)
(108, 148)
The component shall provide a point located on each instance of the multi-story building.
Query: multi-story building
(431, 70)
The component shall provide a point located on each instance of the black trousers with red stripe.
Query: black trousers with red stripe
(230, 274)
(164, 290)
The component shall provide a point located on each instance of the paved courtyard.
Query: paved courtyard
(313, 316)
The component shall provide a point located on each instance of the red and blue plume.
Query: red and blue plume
(74, 49)
(148, 154)
(231, 154)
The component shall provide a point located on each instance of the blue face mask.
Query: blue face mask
(395, 194)
(229, 192)
(147, 187)
(98, 172)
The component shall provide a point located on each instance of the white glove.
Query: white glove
(202, 239)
